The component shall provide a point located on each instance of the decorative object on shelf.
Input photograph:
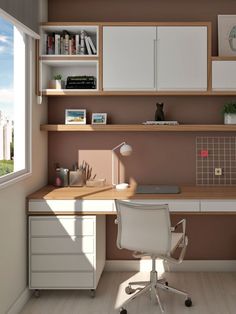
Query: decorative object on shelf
(57, 82)
(125, 150)
(99, 118)
(159, 115)
(161, 123)
(81, 82)
(229, 111)
(75, 116)
(227, 35)
(62, 177)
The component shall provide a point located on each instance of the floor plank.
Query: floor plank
(211, 292)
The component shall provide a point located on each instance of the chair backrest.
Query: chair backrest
(143, 227)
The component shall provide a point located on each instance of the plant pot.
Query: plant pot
(230, 118)
(56, 84)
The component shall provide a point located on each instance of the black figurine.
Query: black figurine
(159, 115)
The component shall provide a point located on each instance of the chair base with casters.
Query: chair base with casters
(152, 287)
(146, 230)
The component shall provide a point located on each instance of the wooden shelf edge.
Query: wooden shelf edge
(138, 128)
(223, 58)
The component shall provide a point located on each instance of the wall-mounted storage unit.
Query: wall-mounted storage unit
(223, 74)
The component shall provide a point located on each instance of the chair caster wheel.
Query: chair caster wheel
(123, 311)
(92, 293)
(36, 293)
(188, 302)
(129, 290)
(166, 283)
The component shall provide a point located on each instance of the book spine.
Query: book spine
(66, 44)
(45, 47)
(57, 44)
(82, 42)
(77, 47)
(94, 50)
(62, 45)
(88, 46)
(70, 46)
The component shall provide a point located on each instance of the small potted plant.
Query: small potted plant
(229, 111)
(57, 82)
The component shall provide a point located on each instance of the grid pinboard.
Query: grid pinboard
(216, 160)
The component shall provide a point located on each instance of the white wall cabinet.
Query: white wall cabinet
(163, 58)
(66, 252)
(182, 58)
(129, 58)
(223, 75)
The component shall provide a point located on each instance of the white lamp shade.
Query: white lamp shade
(126, 150)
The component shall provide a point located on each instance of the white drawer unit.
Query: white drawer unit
(218, 205)
(223, 75)
(66, 252)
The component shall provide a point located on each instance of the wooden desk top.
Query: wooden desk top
(108, 193)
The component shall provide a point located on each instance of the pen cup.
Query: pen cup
(77, 178)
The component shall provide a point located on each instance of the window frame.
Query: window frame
(29, 35)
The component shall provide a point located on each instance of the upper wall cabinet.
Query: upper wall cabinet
(163, 58)
(129, 58)
(182, 58)
(223, 75)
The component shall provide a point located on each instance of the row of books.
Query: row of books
(69, 44)
(81, 82)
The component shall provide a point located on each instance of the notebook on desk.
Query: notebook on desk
(157, 189)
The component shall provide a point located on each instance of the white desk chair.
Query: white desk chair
(146, 230)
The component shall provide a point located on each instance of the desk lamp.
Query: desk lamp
(125, 150)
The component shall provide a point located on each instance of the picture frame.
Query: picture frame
(99, 118)
(75, 116)
(226, 35)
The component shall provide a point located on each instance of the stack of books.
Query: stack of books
(161, 123)
(66, 43)
(81, 82)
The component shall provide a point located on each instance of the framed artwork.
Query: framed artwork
(99, 118)
(75, 116)
(227, 35)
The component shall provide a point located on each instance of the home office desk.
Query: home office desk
(67, 238)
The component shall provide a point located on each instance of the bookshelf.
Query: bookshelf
(66, 49)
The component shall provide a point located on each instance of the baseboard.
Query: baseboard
(18, 305)
(193, 265)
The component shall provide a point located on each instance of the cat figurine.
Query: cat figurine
(159, 115)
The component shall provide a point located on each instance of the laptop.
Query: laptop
(157, 189)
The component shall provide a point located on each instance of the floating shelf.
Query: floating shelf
(139, 128)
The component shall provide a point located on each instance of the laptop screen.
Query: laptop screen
(157, 189)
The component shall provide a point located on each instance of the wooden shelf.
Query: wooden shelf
(228, 58)
(69, 58)
(139, 128)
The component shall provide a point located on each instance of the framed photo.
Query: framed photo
(99, 118)
(227, 35)
(75, 116)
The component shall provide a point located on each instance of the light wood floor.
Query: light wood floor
(212, 293)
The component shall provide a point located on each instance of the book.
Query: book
(82, 42)
(46, 44)
(94, 50)
(88, 46)
(66, 42)
(57, 44)
(77, 46)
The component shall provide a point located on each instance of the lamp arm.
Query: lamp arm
(113, 149)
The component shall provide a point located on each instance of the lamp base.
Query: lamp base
(121, 186)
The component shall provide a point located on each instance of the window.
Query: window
(15, 61)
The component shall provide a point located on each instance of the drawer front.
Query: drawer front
(223, 75)
(81, 262)
(62, 226)
(218, 206)
(62, 245)
(71, 206)
(62, 280)
(175, 205)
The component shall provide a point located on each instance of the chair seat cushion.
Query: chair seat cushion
(176, 238)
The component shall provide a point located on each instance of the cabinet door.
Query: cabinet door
(223, 75)
(129, 58)
(182, 58)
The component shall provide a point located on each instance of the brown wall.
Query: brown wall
(157, 158)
